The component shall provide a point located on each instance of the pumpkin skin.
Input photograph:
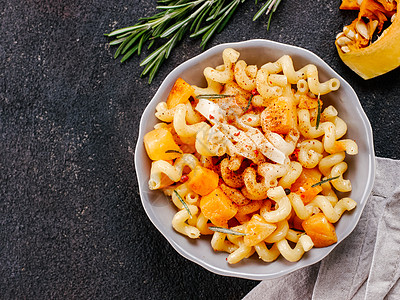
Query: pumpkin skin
(378, 58)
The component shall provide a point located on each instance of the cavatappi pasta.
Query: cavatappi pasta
(255, 152)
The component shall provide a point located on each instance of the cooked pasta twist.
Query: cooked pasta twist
(283, 208)
(179, 222)
(270, 173)
(310, 153)
(229, 56)
(174, 172)
(294, 254)
(309, 72)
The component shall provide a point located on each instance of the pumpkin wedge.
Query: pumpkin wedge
(355, 47)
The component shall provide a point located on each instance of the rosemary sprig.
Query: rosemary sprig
(183, 203)
(325, 180)
(248, 103)
(318, 113)
(202, 18)
(173, 151)
(220, 159)
(225, 230)
(213, 96)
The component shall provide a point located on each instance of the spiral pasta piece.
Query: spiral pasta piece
(303, 245)
(309, 72)
(333, 213)
(179, 222)
(283, 206)
(219, 243)
(242, 78)
(174, 172)
(229, 57)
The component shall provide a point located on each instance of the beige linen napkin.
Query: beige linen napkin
(366, 265)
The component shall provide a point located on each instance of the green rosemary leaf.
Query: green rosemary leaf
(273, 10)
(124, 35)
(151, 64)
(183, 203)
(173, 28)
(129, 53)
(227, 18)
(262, 10)
(152, 56)
(207, 36)
(117, 42)
(155, 68)
(248, 103)
(220, 159)
(151, 44)
(213, 96)
(173, 151)
(318, 113)
(141, 42)
(126, 29)
(201, 31)
(225, 230)
(325, 180)
(174, 6)
(122, 46)
(134, 39)
(199, 19)
(215, 11)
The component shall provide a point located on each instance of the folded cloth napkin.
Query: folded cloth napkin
(366, 265)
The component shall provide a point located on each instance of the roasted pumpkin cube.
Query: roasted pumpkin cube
(349, 5)
(296, 223)
(160, 144)
(306, 102)
(180, 93)
(202, 180)
(320, 230)
(302, 186)
(279, 115)
(257, 230)
(217, 207)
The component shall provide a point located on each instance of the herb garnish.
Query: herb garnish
(213, 96)
(225, 230)
(183, 202)
(248, 103)
(325, 180)
(174, 20)
(318, 113)
(173, 151)
(220, 159)
(268, 6)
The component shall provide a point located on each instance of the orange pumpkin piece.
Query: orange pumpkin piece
(257, 230)
(306, 102)
(349, 5)
(180, 93)
(217, 207)
(202, 180)
(279, 116)
(160, 144)
(302, 186)
(320, 230)
(297, 223)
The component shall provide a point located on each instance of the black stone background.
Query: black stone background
(71, 221)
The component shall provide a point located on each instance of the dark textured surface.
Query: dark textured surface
(71, 221)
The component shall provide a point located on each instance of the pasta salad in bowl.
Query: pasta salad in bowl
(254, 159)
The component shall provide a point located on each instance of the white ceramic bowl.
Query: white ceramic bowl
(361, 170)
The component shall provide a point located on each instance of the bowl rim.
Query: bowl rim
(233, 272)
